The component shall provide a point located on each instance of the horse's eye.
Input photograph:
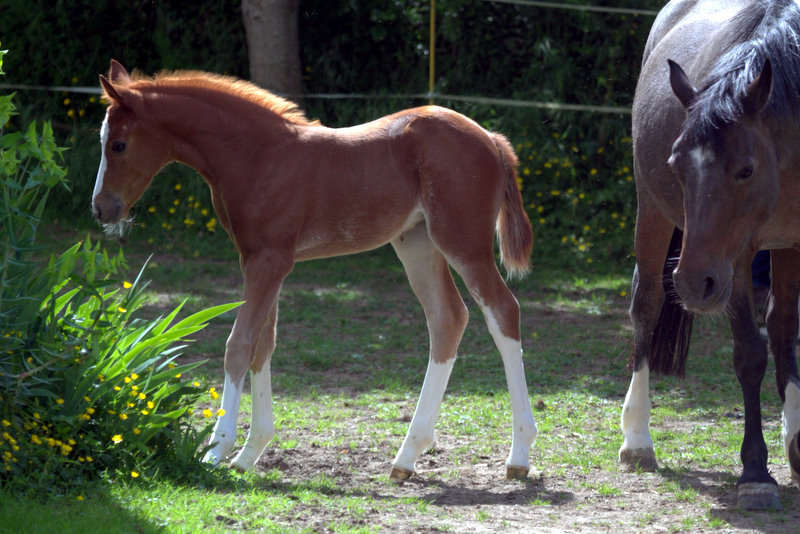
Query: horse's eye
(118, 146)
(745, 173)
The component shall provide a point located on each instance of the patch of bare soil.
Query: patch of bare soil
(477, 498)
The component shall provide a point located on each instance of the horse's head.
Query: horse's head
(729, 173)
(132, 151)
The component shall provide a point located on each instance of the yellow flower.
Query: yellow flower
(35, 439)
(178, 187)
(6, 423)
(151, 404)
(127, 285)
(134, 376)
(142, 396)
(134, 474)
(145, 412)
(116, 438)
(137, 431)
(123, 416)
(79, 497)
(220, 412)
(121, 309)
(206, 413)
(59, 401)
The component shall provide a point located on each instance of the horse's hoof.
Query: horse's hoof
(639, 459)
(399, 474)
(514, 472)
(794, 457)
(758, 496)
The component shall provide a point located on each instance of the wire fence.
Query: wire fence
(431, 95)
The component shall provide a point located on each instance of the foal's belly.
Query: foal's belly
(357, 233)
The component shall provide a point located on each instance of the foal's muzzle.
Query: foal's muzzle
(108, 208)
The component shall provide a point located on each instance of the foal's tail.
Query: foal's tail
(513, 226)
(673, 332)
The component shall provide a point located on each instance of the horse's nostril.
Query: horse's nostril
(97, 212)
(709, 288)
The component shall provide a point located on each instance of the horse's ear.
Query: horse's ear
(757, 93)
(117, 73)
(681, 85)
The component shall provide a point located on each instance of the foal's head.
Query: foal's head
(727, 164)
(132, 151)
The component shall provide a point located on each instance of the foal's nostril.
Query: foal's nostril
(709, 288)
(97, 212)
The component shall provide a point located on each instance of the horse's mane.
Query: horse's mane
(769, 29)
(242, 89)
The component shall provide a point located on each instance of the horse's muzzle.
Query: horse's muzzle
(108, 208)
(703, 291)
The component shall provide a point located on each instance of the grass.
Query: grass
(352, 351)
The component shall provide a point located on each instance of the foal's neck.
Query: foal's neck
(210, 130)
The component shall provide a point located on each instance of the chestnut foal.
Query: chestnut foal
(428, 180)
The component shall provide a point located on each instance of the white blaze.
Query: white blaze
(101, 172)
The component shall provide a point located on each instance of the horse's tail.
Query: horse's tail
(673, 332)
(513, 226)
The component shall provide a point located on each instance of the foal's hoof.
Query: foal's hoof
(514, 472)
(399, 474)
(758, 496)
(639, 459)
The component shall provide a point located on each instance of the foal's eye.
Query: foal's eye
(745, 173)
(118, 146)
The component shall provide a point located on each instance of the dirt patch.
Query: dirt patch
(442, 497)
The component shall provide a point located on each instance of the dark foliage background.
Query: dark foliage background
(575, 165)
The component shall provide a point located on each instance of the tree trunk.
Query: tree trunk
(273, 44)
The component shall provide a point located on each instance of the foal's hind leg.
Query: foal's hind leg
(432, 283)
(782, 326)
(501, 312)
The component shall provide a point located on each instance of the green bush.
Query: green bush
(85, 387)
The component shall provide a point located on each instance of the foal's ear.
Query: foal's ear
(117, 73)
(681, 85)
(757, 93)
(111, 92)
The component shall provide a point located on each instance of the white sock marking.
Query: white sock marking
(791, 418)
(524, 430)
(262, 428)
(635, 421)
(224, 433)
(421, 433)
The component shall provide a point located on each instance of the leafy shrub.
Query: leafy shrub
(85, 387)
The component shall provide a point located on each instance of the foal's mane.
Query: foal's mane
(769, 29)
(242, 89)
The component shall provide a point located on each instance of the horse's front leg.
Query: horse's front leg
(782, 327)
(249, 347)
(756, 488)
(654, 235)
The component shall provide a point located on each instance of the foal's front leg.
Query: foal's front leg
(250, 346)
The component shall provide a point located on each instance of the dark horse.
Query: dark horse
(718, 178)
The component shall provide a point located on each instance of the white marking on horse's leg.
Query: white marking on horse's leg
(224, 433)
(635, 420)
(421, 433)
(262, 428)
(101, 171)
(791, 419)
(524, 425)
